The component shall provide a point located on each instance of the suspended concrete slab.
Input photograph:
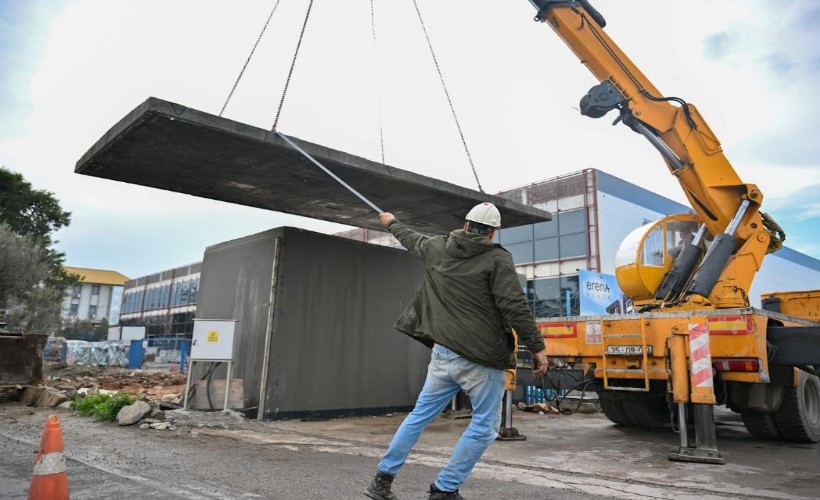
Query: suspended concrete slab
(168, 146)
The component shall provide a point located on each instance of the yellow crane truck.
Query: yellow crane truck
(693, 341)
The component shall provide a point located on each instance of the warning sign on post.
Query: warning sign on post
(213, 336)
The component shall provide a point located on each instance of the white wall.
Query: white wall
(616, 219)
(780, 275)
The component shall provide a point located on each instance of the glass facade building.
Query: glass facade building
(593, 212)
(164, 302)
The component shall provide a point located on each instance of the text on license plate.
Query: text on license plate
(627, 350)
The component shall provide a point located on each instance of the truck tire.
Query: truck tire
(635, 409)
(613, 408)
(647, 410)
(799, 416)
(761, 424)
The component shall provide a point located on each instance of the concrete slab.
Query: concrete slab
(168, 146)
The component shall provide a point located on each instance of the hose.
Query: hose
(583, 384)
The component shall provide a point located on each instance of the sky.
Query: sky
(69, 70)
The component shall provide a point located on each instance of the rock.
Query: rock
(172, 398)
(131, 414)
(192, 418)
(65, 405)
(42, 397)
(144, 426)
(160, 426)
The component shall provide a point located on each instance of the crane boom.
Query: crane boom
(727, 207)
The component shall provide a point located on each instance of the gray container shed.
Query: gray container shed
(315, 337)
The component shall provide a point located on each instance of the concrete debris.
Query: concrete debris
(42, 397)
(132, 414)
(150, 385)
(540, 408)
(191, 418)
(172, 398)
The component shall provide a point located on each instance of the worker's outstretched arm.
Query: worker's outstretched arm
(413, 241)
(511, 301)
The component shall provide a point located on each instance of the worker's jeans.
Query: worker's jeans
(448, 372)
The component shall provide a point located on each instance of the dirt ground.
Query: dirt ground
(151, 385)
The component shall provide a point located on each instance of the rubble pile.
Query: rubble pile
(153, 386)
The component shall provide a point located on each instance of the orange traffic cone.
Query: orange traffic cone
(50, 480)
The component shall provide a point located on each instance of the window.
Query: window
(573, 245)
(75, 308)
(95, 289)
(546, 249)
(521, 252)
(652, 252)
(92, 311)
(516, 234)
(554, 297)
(572, 222)
(546, 229)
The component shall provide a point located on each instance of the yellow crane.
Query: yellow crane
(694, 342)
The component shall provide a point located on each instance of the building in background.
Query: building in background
(592, 213)
(97, 297)
(163, 302)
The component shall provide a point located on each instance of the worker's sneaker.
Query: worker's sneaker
(437, 494)
(379, 488)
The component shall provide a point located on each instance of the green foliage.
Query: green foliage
(32, 278)
(35, 214)
(103, 407)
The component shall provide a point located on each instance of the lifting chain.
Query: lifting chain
(447, 94)
(248, 60)
(292, 65)
(376, 63)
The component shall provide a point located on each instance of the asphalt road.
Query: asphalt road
(566, 457)
(111, 462)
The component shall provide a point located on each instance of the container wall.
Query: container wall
(334, 350)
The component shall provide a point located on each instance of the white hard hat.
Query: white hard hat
(485, 213)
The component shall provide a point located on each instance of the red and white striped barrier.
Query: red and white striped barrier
(701, 357)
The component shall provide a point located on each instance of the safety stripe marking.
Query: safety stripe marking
(50, 463)
(701, 357)
(731, 325)
(557, 330)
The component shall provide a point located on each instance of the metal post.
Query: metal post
(188, 385)
(263, 376)
(702, 398)
(705, 438)
(227, 385)
(682, 424)
(182, 357)
(507, 431)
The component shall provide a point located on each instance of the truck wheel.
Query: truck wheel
(613, 409)
(799, 416)
(647, 410)
(760, 424)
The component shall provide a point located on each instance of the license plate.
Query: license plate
(627, 350)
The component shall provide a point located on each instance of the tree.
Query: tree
(35, 214)
(32, 278)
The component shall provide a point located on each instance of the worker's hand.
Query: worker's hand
(541, 364)
(386, 218)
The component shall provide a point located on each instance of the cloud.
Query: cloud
(514, 85)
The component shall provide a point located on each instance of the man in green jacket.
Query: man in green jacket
(470, 298)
